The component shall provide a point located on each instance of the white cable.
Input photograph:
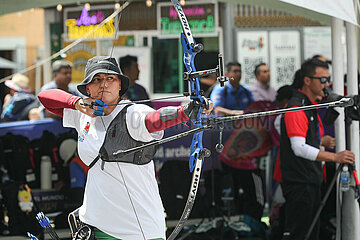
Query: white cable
(41, 62)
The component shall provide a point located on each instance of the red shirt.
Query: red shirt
(297, 123)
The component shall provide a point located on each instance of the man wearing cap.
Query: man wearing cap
(122, 199)
(19, 97)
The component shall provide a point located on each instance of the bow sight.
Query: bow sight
(219, 71)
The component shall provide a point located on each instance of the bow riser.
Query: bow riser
(195, 94)
(189, 57)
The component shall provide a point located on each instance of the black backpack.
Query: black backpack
(17, 160)
(20, 222)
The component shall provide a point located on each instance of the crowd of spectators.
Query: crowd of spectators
(295, 141)
(298, 140)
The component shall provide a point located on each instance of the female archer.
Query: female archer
(121, 199)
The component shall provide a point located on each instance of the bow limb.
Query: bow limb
(184, 22)
(197, 153)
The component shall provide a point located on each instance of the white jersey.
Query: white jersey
(107, 205)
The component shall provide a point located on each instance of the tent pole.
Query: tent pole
(350, 206)
(338, 87)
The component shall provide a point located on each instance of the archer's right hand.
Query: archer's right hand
(84, 106)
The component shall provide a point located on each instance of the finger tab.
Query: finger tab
(98, 102)
(99, 111)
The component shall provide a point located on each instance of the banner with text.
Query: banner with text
(285, 57)
(253, 48)
(202, 18)
(80, 21)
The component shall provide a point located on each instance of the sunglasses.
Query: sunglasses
(323, 80)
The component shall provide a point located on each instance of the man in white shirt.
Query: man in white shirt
(261, 90)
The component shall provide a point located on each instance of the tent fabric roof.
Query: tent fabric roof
(284, 5)
(20, 5)
(293, 9)
(344, 9)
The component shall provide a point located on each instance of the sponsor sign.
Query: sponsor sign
(202, 18)
(80, 21)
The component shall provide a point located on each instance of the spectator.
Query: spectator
(62, 77)
(284, 94)
(242, 166)
(302, 134)
(261, 90)
(233, 98)
(244, 156)
(257, 136)
(130, 68)
(322, 58)
(298, 80)
(19, 97)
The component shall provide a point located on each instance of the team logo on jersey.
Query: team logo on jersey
(84, 132)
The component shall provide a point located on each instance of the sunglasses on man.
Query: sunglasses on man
(323, 80)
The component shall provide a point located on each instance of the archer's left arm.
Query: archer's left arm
(170, 116)
(164, 118)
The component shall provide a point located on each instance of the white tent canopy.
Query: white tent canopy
(343, 9)
(321, 14)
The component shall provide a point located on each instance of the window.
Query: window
(168, 67)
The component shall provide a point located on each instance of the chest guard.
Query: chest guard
(118, 138)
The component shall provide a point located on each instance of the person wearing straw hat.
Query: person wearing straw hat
(122, 199)
(19, 97)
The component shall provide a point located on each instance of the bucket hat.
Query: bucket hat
(102, 64)
(19, 82)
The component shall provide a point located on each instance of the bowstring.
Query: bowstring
(117, 163)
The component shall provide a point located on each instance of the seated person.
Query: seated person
(17, 99)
